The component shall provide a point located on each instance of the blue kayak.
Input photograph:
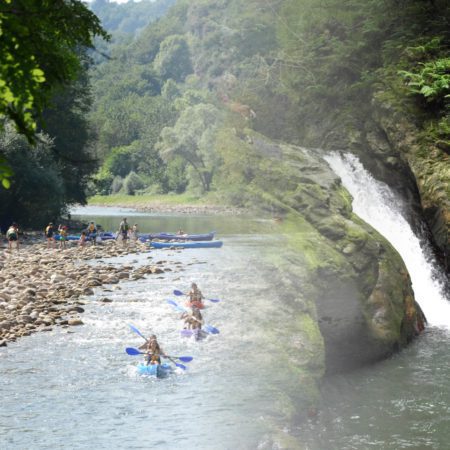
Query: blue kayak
(178, 237)
(156, 370)
(208, 244)
(197, 333)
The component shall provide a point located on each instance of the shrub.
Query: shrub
(132, 183)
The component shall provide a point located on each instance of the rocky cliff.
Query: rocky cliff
(335, 268)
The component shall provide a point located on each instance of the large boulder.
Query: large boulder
(334, 268)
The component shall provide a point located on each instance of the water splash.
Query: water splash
(375, 203)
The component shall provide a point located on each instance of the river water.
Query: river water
(403, 402)
(77, 389)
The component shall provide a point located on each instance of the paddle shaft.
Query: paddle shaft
(209, 328)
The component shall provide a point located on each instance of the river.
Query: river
(77, 388)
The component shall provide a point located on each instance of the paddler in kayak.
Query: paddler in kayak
(193, 320)
(195, 297)
(153, 350)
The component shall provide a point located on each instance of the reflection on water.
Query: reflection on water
(192, 224)
(399, 403)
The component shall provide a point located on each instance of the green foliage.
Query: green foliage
(173, 60)
(37, 192)
(432, 80)
(120, 161)
(52, 31)
(65, 120)
(116, 185)
(175, 175)
(131, 17)
(193, 138)
(132, 183)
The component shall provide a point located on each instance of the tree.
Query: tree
(53, 31)
(37, 193)
(192, 138)
(39, 41)
(173, 59)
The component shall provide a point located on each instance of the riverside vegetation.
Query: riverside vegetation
(222, 96)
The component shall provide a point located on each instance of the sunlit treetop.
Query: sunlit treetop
(39, 40)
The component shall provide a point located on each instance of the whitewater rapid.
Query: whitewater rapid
(377, 205)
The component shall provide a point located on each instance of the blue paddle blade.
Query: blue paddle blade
(181, 366)
(211, 329)
(133, 351)
(137, 331)
(185, 358)
(214, 300)
(176, 292)
(176, 305)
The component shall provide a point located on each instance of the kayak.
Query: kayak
(156, 370)
(198, 305)
(197, 333)
(211, 244)
(177, 237)
(68, 238)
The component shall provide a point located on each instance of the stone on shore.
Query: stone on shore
(41, 287)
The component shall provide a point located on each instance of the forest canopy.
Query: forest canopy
(45, 94)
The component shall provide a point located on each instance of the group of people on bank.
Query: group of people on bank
(61, 234)
(193, 320)
(90, 234)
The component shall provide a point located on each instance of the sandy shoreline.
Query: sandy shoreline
(41, 288)
(177, 209)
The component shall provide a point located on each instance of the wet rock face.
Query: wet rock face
(364, 305)
(389, 145)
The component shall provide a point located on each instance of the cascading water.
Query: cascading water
(375, 203)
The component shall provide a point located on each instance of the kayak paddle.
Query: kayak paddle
(134, 351)
(177, 292)
(208, 328)
(181, 366)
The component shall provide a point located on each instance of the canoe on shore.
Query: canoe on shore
(156, 370)
(207, 244)
(177, 237)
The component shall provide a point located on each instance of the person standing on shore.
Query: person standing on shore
(62, 237)
(82, 241)
(13, 236)
(49, 234)
(92, 233)
(134, 232)
(123, 231)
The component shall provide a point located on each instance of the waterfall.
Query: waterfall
(376, 204)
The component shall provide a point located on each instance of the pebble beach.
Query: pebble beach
(41, 287)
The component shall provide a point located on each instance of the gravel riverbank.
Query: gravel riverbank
(165, 208)
(42, 287)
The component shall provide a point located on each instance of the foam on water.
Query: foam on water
(375, 203)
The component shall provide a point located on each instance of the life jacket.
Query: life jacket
(49, 231)
(11, 233)
(124, 227)
(92, 228)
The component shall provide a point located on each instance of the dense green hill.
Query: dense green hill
(319, 74)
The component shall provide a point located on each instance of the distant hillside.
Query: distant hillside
(131, 17)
